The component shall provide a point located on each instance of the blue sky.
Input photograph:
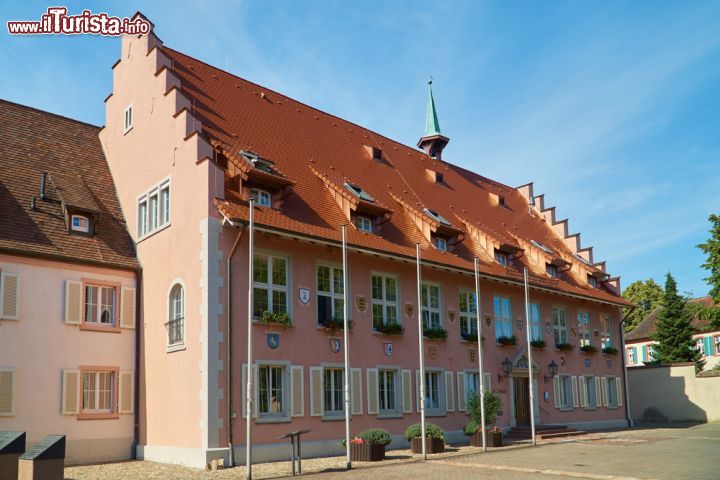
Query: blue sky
(611, 108)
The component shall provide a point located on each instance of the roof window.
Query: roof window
(582, 259)
(436, 216)
(376, 153)
(358, 191)
(258, 162)
(542, 247)
(80, 223)
(501, 200)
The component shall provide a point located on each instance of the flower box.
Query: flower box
(589, 349)
(564, 347)
(476, 439)
(280, 319)
(610, 351)
(507, 341)
(432, 445)
(333, 326)
(437, 333)
(494, 439)
(390, 329)
(367, 452)
(539, 344)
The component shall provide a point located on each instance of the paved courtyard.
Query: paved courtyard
(650, 453)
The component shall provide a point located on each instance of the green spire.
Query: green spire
(432, 125)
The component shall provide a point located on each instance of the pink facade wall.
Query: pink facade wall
(40, 345)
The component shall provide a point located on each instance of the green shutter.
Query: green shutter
(708, 346)
(644, 354)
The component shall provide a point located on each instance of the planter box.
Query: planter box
(494, 439)
(476, 439)
(367, 452)
(432, 445)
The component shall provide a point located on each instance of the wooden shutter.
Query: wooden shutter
(598, 392)
(556, 390)
(127, 307)
(73, 302)
(708, 346)
(536, 401)
(618, 384)
(316, 391)
(604, 386)
(449, 393)
(487, 384)
(583, 392)
(125, 392)
(373, 391)
(7, 392)
(70, 392)
(9, 296)
(461, 391)
(417, 390)
(297, 391)
(575, 391)
(356, 391)
(407, 391)
(644, 354)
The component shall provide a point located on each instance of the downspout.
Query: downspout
(228, 344)
(136, 386)
(623, 354)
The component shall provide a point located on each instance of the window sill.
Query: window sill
(590, 409)
(566, 409)
(390, 335)
(272, 420)
(128, 131)
(98, 416)
(175, 348)
(612, 407)
(382, 416)
(91, 327)
(153, 233)
(333, 418)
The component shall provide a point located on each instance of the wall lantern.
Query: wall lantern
(552, 370)
(507, 369)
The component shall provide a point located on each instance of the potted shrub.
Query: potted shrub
(391, 328)
(610, 351)
(539, 344)
(564, 347)
(493, 405)
(275, 318)
(335, 325)
(588, 349)
(435, 333)
(471, 337)
(434, 438)
(507, 341)
(369, 446)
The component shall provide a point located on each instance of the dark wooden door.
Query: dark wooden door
(521, 388)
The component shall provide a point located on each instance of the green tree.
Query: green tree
(711, 248)
(674, 329)
(647, 295)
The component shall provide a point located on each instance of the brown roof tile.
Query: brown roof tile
(648, 326)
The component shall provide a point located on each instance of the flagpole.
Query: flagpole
(250, 370)
(480, 355)
(420, 346)
(528, 331)
(345, 347)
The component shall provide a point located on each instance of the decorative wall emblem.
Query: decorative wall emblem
(451, 315)
(388, 349)
(304, 294)
(409, 310)
(573, 331)
(520, 324)
(522, 362)
(361, 303)
(273, 340)
(597, 333)
(472, 355)
(548, 328)
(432, 351)
(335, 345)
(488, 319)
(587, 363)
(609, 363)
(562, 361)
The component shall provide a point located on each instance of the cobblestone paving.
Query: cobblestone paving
(640, 454)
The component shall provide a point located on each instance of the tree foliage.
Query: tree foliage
(647, 295)
(674, 329)
(711, 249)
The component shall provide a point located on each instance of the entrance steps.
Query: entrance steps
(542, 432)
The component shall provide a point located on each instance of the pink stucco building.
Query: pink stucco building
(68, 279)
(188, 143)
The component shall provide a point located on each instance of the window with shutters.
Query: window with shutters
(467, 311)
(153, 211)
(565, 392)
(632, 355)
(612, 393)
(100, 306)
(388, 391)
(333, 382)
(536, 327)
(176, 322)
(559, 316)
(329, 294)
(431, 310)
(270, 284)
(384, 299)
(717, 345)
(433, 389)
(98, 396)
(589, 392)
(605, 332)
(272, 401)
(9, 296)
(503, 321)
(700, 346)
(583, 326)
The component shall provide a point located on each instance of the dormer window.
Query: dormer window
(80, 223)
(542, 247)
(440, 243)
(364, 224)
(262, 198)
(436, 216)
(358, 191)
(376, 154)
(501, 201)
(501, 258)
(439, 178)
(592, 281)
(551, 270)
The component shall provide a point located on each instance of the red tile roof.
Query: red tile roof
(33, 142)
(300, 139)
(648, 326)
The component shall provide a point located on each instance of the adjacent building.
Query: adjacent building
(68, 283)
(188, 144)
(639, 345)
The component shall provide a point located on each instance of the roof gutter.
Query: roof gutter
(378, 253)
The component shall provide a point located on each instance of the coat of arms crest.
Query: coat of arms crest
(388, 349)
(273, 340)
(304, 294)
(409, 309)
(335, 345)
(361, 303)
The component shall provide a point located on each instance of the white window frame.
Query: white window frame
(96, 391)
(468, 314)
(176, 315)
(605, 331)
(501, 257)
(263, 198)
(439, 410)
(700, 345)
(440, 243)
(536, 333)
(716, 342)
(565, 392)
(98, 305)
(270, 287)
(592, 281)
(79, 228)
(334, 389)
(333, 295)
(284, 413)
(584, 320)
(612, 388)
(383, 394)
(503, 318)
(590, 401)
(632, 355)
(128, 119)
(364, 224)
(551, 270)
(150, 222)
(560, 329)
(384, 302)
(427, 310)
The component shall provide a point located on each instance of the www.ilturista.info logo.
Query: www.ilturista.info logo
(57, 22)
